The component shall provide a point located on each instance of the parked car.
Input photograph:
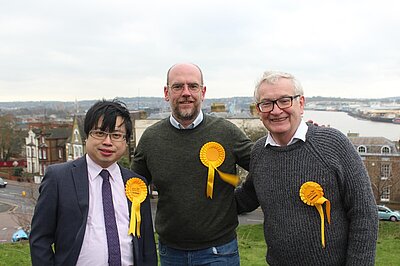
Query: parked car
(385, 213)
(19, 235)
(3, 183)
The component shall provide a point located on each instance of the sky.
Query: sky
(92, 49)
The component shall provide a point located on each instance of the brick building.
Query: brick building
(382, 160)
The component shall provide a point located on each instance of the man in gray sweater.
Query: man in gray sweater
(311, 184)
(187, 156)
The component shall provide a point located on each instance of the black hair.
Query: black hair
(109, 111)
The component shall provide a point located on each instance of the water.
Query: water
(345, 123)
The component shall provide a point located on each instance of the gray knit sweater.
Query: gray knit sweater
(186, 219)
(292, 228)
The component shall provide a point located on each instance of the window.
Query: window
(76, 134)
(69, 150)
(44, 154)
(41, 171)
(385, 150)
(385, 196)
(362, 149)
(385, 171)
(40, 153)
(60, 154)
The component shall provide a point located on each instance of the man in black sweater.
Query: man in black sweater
(188, 157)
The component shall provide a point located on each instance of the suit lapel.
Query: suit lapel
(126, 175)
(81, 181)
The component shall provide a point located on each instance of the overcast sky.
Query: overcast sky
(92, 49)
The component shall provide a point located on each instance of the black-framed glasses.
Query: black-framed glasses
(102, 135)
(179, 87)
(283, 103)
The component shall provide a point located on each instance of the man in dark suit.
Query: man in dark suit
(82, 216)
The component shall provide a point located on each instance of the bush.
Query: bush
(18, 171)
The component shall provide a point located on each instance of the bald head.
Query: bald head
(184, 66)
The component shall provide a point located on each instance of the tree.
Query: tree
(22, 215)
(254, 133)
(380, 185)
(11, 140)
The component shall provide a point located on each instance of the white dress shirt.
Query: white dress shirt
(195, 123)
(94, 249)
(300, 134)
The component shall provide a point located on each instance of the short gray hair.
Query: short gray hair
(271, 77)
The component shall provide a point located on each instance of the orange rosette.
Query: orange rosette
(212, 155)
(136, 192)
(311, 193)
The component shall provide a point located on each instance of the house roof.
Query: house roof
(58, 133)
(374, 144)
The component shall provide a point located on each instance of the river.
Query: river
(345, 123)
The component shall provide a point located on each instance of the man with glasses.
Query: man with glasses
(191, 157)
(310, 182)
(83, 215)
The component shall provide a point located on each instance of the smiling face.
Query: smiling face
(186, 103)
(282, 124)
(105, 152)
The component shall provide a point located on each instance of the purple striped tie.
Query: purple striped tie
(114, 251)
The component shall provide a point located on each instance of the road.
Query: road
(15, 209)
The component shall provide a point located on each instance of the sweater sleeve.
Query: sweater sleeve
(242, 149)
(358, 200)
(361, 208)
(245, 194)
(139, 164)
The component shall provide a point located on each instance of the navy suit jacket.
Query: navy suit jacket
(61, 214)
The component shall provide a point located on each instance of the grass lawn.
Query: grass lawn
(252, 247)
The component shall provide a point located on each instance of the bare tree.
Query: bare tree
(380, 186)
(22, 214)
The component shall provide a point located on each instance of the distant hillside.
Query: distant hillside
(150, 103)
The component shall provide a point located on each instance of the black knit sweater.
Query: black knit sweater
(291, 227)
(169, 157)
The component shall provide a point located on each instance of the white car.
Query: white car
(385, 213)
(2, 182)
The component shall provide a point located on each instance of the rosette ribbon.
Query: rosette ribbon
(212, 155)
(136, 192)
(311, 193)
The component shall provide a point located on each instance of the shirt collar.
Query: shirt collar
(300, 134)
(95, 169)
(194, 124)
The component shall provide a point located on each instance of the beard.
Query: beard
(186, 114)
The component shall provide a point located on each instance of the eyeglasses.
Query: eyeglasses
(114, 136)
(179, 87)
(282, 103)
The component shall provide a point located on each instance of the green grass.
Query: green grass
(15, 254)
(252, 247)
(388, 245)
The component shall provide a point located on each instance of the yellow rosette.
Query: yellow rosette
(212, 155)
(311, 193)
(136, 192)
